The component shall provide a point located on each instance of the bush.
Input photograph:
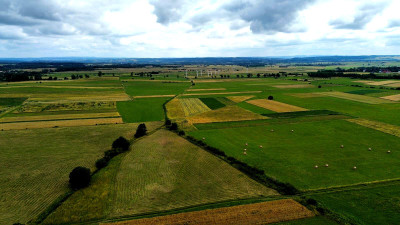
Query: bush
(79, 177)
(270, 97)
(141, 130)
(101, 163)
(311, 201)
(174, 126)
(168, 123)
(319, 86)
(121, 143)
(109, 154)
(181, 133)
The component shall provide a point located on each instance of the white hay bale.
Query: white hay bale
(341, 146)
(272, 130)
(388, 151)
(327, 165)
(355, 167)
(261, 146)
(292, 131)
(369, 149)
(244, 153)
(245, 149)
(204, 138)
(316, 166)
(246, 144)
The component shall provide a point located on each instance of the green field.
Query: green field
(142, 109)
(35, 171)
(161, 172)
(291, 156)
(212, 103)
(144, 88)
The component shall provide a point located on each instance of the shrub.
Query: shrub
(79, 177)
(141, 130)
(181, 133)
(270, 97)
(311, 201)
(168, 123)
(174, 126)
(109, 154)
(319, 86)
(121, 143)
(101, 163)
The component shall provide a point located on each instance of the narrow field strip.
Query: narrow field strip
(238, 99)
(192, 106)
(153, 96)
(356, 98)
(59, 123)
(67, 87)
(275, 106)
(392, 97)
(258, 213)
(209, 89)
(59, 117)
(305, 95)
(223, 93)
(386, 82)
(294, 86)
(383, 127)
(225, 114)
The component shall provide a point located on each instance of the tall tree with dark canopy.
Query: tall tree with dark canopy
(141, 130)
(79, 177)
(121, 143)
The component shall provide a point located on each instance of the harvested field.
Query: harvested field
(294, 86)
(357, 98)
(364, 81)
(238, 99)
(58, 123)
(397, 84)
(205, 89)
(275, 106)
(175, 109)
(386, 82)
(392, 97)
(225, 114)
(223, 93)
(153, 96)
(192, 106)
(384, 127)
(38, 107)
(58, 117)
(305, 95)
(88, 98)
(258, 213)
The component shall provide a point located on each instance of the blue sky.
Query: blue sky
(216, 28)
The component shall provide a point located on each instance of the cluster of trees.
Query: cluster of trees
(370, 69)
(12, 76)
(80, 176)
(333, 73)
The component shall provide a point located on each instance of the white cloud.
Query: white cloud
(153, 28)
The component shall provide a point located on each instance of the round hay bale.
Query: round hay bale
(244, 153)
(341, 146)
(316, 166)
(355, 167)
(204, 138)
(388, 151)
(369, 149)
(261, 146)
(245, 149)
(246, 144)
(272, 130)
(327, 165)
(292, 131)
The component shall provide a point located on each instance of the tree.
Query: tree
(168, 123)
(319, 86)
(121, 143)
(100, 74)
(270, 97)
(174, 126)
(79, 177)
(141, 130)
(101, 163)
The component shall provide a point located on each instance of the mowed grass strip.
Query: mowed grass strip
(355, 97)
(59, 123)
(222, 93)
(304, 95)
(238, 99)
(225, 114)
(275, 105)
(192, 106)
(392, 97)
(58, 117)
(257, 213)
(175, 109)
(207, 89)
(289, 86)
(384, 127)
(212, 103)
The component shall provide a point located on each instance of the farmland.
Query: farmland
(233, 154)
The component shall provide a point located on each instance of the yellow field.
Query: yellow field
(393, 85)
(224, 93)
(386, 82)
(275, 106)
(392, 97)
(357, 98)
(383, 127)
(294, 86)
(304, 95)
(258, 213)
(238, 99)
(58, 123)
(58, 117)
(175, 109)
(211, 89)
(225, 114)
(192, 106)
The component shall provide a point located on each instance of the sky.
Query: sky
(198, 28)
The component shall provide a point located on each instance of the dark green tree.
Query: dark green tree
(79, 177)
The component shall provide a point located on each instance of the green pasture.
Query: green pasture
(143, 88)
(291, 156)
(142, 109)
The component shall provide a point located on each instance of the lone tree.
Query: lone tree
(141, 130)
(270, 97)
(79, 177)
(121, 143)
(174, 126)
